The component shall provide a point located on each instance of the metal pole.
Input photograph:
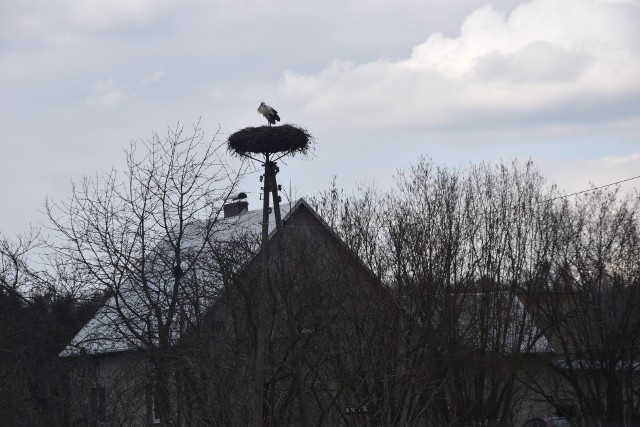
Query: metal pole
(268, 171)
(260, 350)
(276, 197)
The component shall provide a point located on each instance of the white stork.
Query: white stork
(269, 113)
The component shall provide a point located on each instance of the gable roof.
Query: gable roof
(106, 333)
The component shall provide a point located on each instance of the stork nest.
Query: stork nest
(288, 139)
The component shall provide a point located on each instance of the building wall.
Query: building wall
(110, 390)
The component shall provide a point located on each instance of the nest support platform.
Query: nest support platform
(285, 139)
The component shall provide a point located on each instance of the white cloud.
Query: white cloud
(106, 93)
(154, 78)
(544, 59)
(631, 160)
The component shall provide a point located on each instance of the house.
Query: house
(592, 370)
(484, 338)
(298, 322)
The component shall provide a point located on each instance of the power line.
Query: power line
(591, 189)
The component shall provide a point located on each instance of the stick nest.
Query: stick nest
(286, 138)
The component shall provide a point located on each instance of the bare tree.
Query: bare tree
(17, 278)
(143, 236)
(457, 248)
(39, 313)
(15, 398)
(590, 309)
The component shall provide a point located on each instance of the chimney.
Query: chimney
(236, 205)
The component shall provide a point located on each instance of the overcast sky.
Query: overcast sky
(378, 83)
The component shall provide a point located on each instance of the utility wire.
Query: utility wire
(591, 189)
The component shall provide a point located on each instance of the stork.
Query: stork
(269, 113)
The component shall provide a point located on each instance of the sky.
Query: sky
(378, 83)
